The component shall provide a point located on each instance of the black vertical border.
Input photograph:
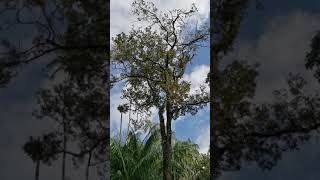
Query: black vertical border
(108, 81)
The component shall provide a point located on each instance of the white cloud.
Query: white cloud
(122, 18)
(115, 116)
(203, 140)
(197, 77)
(280, 49)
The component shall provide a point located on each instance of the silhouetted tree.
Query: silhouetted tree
(42, 149)
(71, 38)
(259, 132)
(80, 112)
(313, 56)
(76, 27)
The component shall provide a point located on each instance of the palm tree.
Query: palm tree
(43, 149)
(141, 158)
(137, 159)
(188, 162)
(122, 109)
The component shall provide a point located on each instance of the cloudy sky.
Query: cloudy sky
(278, 38)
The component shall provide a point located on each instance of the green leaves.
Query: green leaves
(135, 159)
(153, 62)
(142, 159)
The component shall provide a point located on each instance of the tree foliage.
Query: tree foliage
(153, 60)
(140, 158)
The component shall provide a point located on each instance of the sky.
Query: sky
(278, 38)
(195, 127)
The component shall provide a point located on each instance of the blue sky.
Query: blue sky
(195, 127)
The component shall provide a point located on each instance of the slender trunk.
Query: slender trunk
(37, 170)
(128, 130)
(88, 166)
(64, 152)
(120, 127)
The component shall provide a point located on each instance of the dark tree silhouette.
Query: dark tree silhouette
(79, 111)
(71, 37)
(259, 132)
(313, 56)
(76, 27)
(42, 149)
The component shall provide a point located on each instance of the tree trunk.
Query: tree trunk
(120, 127)
(167, 167)
(128, 130)
(37, 170)
(88, 166)
(166, 150)
(64, 152)
(169, 175)
(166, 134)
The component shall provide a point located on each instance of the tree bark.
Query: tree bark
(166, 145)
(166, 135)
(169, 175)
(167, 167)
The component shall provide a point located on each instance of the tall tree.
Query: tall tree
(153, 61)
(79, 110)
